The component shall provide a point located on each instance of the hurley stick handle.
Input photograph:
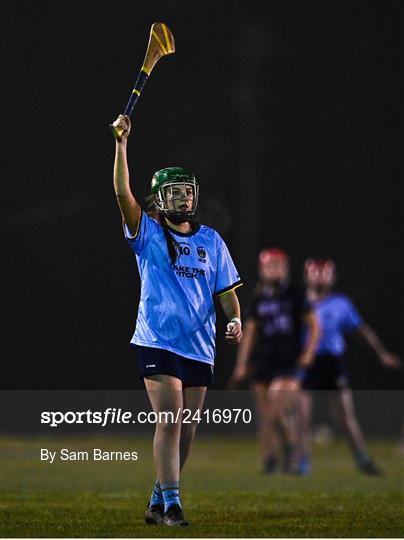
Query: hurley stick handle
(161, 43)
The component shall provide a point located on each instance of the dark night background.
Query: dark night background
(290, 114)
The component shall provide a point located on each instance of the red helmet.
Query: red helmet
(270, 254)
(324, 268)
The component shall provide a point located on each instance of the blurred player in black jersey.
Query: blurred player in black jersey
(337, 317)
(272, 354)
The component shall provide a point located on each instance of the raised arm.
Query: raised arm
(128, 205)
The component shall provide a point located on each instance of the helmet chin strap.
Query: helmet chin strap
(322, 289)
(177, 218)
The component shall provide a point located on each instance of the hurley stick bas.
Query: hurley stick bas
(161, 43)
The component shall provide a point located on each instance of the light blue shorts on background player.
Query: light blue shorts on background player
(176, 309)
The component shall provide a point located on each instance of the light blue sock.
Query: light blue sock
(156, 496)
(304, 466)
(171, 495)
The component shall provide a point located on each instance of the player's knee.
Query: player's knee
(188, 431)
(168, 428)
(274, 415)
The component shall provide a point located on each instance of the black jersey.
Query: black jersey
(280, 328)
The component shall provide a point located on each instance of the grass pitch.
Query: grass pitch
(223, 491)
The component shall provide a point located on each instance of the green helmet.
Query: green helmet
(162, 185)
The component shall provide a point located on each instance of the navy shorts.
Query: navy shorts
(327, 373)
(266, 374)
(153, 361)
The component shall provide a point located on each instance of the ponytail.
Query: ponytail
(172, 244)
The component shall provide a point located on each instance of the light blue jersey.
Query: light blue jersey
(176, 309)
(337, 316)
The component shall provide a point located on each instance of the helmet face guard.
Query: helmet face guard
(273, 266)
(323, 271)
(166, 183)
(165, 196)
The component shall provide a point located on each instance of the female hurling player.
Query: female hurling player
(182, 265)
